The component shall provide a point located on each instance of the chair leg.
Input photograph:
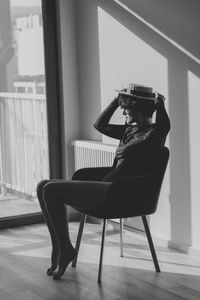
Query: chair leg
(121, 237)
(102, 249)
(151, 246)
(78, 241)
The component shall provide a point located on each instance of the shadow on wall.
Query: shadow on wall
(174, 34)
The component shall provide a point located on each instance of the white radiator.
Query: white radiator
(93, 154)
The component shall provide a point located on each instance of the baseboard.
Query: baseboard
(21, 220)
(178, 246)
(194, 252)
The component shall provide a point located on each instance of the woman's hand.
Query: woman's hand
(117, 98)
(159, 101)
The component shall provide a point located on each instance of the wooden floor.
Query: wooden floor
(14, 205)
(24, 257)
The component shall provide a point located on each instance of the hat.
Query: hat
(138, 92)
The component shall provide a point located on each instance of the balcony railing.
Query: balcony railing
(23, 142)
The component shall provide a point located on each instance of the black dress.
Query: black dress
(138, 146)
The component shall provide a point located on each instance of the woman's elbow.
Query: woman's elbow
(99, 128)
(95, 125)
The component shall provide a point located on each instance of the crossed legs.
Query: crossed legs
(52, 196)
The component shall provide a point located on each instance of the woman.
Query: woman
(140, 139)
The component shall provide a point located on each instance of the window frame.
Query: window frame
(51, 33)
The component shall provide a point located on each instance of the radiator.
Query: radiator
(92, 154)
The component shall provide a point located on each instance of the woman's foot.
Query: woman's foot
(54, 262)
(65, 258)
(50, 271)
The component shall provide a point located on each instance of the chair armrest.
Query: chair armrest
(92, 173)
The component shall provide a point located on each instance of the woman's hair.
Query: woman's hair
(146, 107)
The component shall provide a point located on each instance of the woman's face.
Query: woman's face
(131, 116)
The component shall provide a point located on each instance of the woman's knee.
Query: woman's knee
(79, 175)
(50, 192)
(40, 186)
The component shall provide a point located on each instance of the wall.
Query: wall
(88, 66)
(69, 86)
(154, 43)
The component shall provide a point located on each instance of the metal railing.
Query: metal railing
(23, 142)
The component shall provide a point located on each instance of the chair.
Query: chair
(145, 190)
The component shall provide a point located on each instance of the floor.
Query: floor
(25, 252)
(13, 205)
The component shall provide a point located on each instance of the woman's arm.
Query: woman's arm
(102, 123)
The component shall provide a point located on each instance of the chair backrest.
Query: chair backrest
(132, 196)
(161, 165)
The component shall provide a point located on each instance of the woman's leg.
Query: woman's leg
(78, 194)
(55, 248)
(91, 174)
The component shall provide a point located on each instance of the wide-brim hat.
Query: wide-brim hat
(138, 92)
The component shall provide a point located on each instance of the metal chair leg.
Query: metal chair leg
(102, 249)
(121, 237)
(151, 246)
(78, 240)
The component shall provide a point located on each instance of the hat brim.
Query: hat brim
(136, 97)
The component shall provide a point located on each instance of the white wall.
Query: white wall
(194, 129)
(155, 43)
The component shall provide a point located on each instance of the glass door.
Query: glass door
(24, 155)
